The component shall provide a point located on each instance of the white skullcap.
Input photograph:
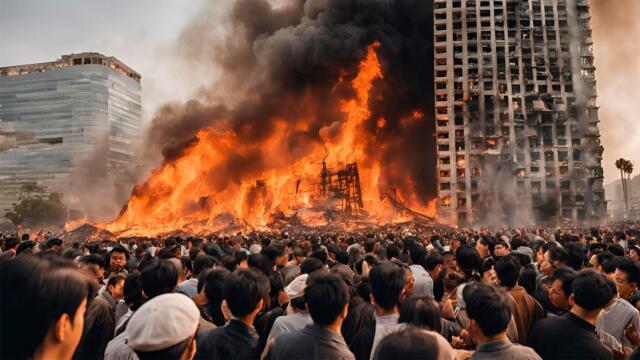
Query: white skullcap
(296, 288)
(255, 249)
(162, 322)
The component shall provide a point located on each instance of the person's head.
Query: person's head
(433, 263)
(616, 249)
(423, 312)
(115, 286)
(298, 255)
(410, 343)
(260, 262)
(417, 254)
(25, 247)
(43, 306)
(245, 292)
(327, 298)
(508, 271)
(212, 283)
(489, 310)
(449, 261)
(554, 257)
(202, 263)
(274, 253)
(311, 265)
(393, 251)
(591, 291)
(387, 281)
(469, 261)
(627, 278)
(485, 245)
(597, 260)
(528, 278)
(133, 291)
(159, 277)
(342, 257)
(501, 248)
(576, 256)
(139, 252)
(561, 287)
(94, 265)
(295, 292)
(164, 328)
(118, 258)
(634, 253)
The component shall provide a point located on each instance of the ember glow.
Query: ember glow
(197, 191)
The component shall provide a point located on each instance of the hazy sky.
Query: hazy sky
(143, 34)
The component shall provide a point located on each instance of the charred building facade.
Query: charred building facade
(54, 115)
(516, 116)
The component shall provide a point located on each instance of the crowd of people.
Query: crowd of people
(565, 293)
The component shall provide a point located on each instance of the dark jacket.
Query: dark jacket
(233, 341)
(360, 315)
(99, 327)
(313, 342)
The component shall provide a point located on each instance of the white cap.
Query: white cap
(255, 249)
(296, 288)
(162, 322)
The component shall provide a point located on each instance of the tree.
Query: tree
(628, 169)
(620, 164)
(37, 207)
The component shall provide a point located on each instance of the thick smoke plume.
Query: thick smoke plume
(294, 63)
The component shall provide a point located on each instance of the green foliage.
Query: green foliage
(37, 207)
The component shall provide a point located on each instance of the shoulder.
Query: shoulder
(524, 352)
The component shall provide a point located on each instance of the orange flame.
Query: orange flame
(195, 191)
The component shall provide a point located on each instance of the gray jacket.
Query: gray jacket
(504, 349)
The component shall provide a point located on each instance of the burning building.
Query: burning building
(515, 111)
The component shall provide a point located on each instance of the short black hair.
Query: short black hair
(369, 245)
(490, 307)
(508, 271)
(417, 254)
(48, 286)
(114, 279)
(576, 255)
(159, 277)
(229, 262)
(119, 249)
(602, 257)
(11, 243)
(342, 257)
(172, 352)
(203, 262)
(616, 249)
(310, 265)
(610, 265)
(432, 260)
(326, 295)
(393, 251)
(260, 262)
(566, 275)
(272, 252)
(630, 269)
(92, 260)
(528, 278)
(409, 343)
(213, 282)
(423, 312)
(558, 254)
(244, 289)
(387, 283)
(133, 291)
(590, 290)
(27, 244)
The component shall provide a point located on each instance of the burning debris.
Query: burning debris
(344, 185)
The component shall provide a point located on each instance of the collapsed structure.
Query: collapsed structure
(516, 116)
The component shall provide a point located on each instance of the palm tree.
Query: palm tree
(628, 169)
(620, 165)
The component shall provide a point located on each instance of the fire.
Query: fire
(198, 191)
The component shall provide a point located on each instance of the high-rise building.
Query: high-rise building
(54, 116)
(516, 116)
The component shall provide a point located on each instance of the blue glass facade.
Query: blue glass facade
(53, 118)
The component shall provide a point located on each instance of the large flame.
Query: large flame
(197, 192)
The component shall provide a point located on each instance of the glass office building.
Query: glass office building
(76, 114)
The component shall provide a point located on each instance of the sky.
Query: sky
(144, 35)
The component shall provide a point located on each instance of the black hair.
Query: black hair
(488, 240)
(326, 296)
(260, 262)
(410, 343)
(469, 261)
(173, 352)
(298, 303)
(566, 275)
(432, 260)
(387, 283)
(631, 270)
(528, 277)
(114, 279)
(186, 263)
(610, 265)
(92, 260)
(393, 251)
(342, 257)
(48, 287)
(364, 290)
(11, 242)
(27, 244)
(203, 262)
(298, 251)
(159, 277)
(417, 254)
(423, 312)
(490, 308)
(213, 282)
(133, 291)
(272, 252)
(369, 245)
(616, 249)
(229, 262)
(590, 290)
(604, 256)
(119, 249)
(320, 255)
(310, 265)
(558, 254)
(508, 271)
(244, 289)
(576, 255)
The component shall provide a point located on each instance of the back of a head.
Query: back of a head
(508, 271)
(310, 265)
(566, 275)
(159, 277)
(133, 291)
(342, 257)
(423, 312)
(591, 290)
(558, 254)
(203, 262)
(417, 253)
(393, 251)
(387, 283)
(243, 290)
(576, 256)
(432, 260)
(35, 291)
(489, 307)
(326, 296)
(468, 259)
(631, 270)
(407, 344)
(213, 282)
(260, 262)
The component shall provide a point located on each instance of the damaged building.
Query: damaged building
(53, 115)
(516, 116)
